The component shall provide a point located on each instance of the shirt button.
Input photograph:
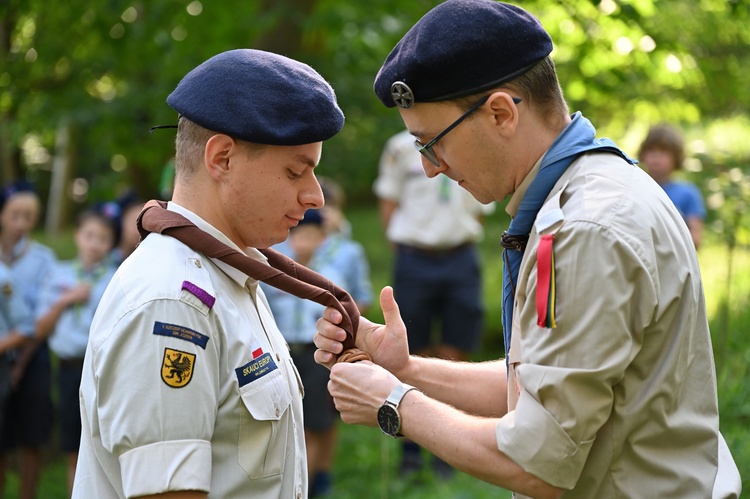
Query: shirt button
(197, 263)
(278, 357)
(277, 412)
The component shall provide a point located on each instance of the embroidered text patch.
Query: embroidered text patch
(180, 332)
(255, 369)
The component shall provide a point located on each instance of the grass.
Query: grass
(366, 463)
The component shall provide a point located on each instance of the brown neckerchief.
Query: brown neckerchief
(282, 272)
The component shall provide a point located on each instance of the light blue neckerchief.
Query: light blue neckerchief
(577, 138)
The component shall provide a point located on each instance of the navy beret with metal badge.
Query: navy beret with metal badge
(259, 97)
(459, 48)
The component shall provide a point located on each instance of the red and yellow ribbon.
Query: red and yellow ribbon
(545, 283)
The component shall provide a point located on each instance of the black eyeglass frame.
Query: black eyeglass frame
(426, 149)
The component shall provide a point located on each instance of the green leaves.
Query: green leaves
(108, 66)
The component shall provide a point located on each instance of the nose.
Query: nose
(430, 169)
(312, 196)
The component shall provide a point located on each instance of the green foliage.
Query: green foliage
(107, 67)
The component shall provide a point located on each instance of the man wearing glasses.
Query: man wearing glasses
(608, 388)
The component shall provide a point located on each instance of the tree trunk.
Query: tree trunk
(285, 35)
(57, 203)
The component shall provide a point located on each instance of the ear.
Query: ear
(219, 149)
(504, 113)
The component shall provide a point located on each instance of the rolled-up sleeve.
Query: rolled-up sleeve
(185, 464)
(540, 445)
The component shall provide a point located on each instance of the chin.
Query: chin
(269, 241)
(480, 196)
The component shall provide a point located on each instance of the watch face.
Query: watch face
(388, 420)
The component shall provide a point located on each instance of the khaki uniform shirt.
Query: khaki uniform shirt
(187, 383)
(619, 400)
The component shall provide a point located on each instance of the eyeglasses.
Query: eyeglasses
(426, 149)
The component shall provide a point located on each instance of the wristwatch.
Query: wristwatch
(389, 420)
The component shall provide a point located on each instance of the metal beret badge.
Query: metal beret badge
(402, 95)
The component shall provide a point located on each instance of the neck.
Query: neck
(204, 202)
(7, 243)
(544, 134)
(88, 264)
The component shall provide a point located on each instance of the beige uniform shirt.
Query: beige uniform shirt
(619, 400)
(432, 213)
(187, 383)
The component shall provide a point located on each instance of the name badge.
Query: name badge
(255, 369)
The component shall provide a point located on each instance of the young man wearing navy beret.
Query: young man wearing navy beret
(188, 386)
(608, 387)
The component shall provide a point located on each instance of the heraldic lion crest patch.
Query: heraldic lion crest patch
(177, 368)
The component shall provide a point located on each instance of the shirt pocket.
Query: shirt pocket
(266, 429)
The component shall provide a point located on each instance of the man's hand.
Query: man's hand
(386, 344)
(359, 389)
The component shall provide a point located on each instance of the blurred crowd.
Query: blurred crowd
(46, 308)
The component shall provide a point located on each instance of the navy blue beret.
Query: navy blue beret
(459, 48)
(16, 187)
(259, 97)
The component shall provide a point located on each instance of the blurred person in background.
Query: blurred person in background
(343, 262)
(66, 309)
(124, 210)
(662, 152)
(28, 413)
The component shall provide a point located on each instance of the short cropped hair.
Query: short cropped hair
(665, 138)
(190, 147)
(539, 88)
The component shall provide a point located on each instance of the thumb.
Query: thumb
(390, 309)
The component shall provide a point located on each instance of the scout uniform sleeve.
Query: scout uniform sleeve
(392, 172)
(50, 291)
(567, 374)
(157, 383)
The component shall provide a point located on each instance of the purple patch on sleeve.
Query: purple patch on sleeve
(202, 294)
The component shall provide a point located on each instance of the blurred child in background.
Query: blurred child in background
(343, 262)
(28, 412)
(352, 260)
(66, 308)
(124, 210)
(662, 153)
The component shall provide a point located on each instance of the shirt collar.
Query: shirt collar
(18, 250)
(235, 274)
